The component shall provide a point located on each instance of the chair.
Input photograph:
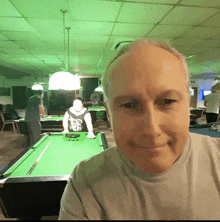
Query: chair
(11, 112)
(5, 122)
(194, 115)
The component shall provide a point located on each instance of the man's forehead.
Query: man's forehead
(143, 51)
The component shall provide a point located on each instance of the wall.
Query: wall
(25, 81)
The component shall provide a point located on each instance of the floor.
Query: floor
(12, 144)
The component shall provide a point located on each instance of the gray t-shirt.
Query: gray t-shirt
(108, 186)
(32, 110)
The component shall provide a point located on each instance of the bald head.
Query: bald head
(140, 46)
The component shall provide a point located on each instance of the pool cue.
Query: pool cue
(36, 162)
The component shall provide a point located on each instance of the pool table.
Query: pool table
(97, 111)
(49, 123)
(39, 193)
(54, 123)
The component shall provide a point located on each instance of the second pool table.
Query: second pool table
(49, 123)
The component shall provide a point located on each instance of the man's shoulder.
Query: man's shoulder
(99, 165)
(205, 142)
(104, 157)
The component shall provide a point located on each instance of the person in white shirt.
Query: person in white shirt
(77, 118)
(157, 170)
(212, 102)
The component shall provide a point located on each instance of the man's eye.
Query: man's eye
(129, 105)
(169, 101)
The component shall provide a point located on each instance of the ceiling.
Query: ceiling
(32, 38)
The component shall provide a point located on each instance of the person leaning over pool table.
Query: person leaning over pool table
(77, 118)
(157, 170)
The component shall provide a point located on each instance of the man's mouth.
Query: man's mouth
(147, 147)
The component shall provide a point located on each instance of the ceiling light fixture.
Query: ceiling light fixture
(37, 87)
(64, 79)
(99, 88)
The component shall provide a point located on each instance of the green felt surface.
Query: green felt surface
(96, 108)
(60, 157)
(54, 117)
(100, 110)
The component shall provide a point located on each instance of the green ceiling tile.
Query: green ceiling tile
(182, 15)
(85, 10)
(46, 25)
(186, 41)
(168, 31)
(7, 9)
(203, 32)
(13, 51)
(14, 24)
(93, 28)
(126, 29)
(29, 36)
(8, 44)
(91, 39)
(210, 3)
(155, 1)
(143, 13)
(214, 21)
(3, 37)
(45, 9)
(47, 57)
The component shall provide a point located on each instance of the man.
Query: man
(34, 111)
(95, 98)
(158, 170)
(77, 118)
(212, 102)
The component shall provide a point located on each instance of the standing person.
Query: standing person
(95, 98)
(158, 169)
(77, 118)
(212, 102)
(34, 111)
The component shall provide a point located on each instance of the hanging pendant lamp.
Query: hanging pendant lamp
(64, 79)
(99, 88)
(37, 87)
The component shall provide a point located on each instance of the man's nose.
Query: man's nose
(151, 121)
